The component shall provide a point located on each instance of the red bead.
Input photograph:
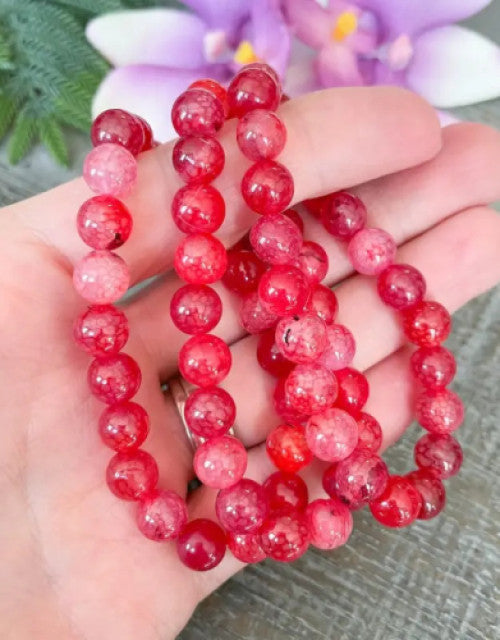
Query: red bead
(261, 135)
(343, 215)
(204, 360)
(114, 378)
(353, 390)
(441, 454)
(245, 547)
(104, 222)
(101, 329)
(285, 537)
(340, 348)
(295, 217)
(242, 508)
(119, 127)
(313, 262)
(201, 545)
(254, 316)
(220, 462)
(267, 187)
(369, 432)
(252, 89)
(432, 493)
(323, 302)
(401, 286)
(439, 411)
(360, 478)
(283, 290)
(263, 66)
(315, 206)
(214, 87)
(399, 504)
(426, 324)
(200, 259)
(197, 112)
(198, 160)
(285, 492)
(101, 277)
(311, 388)
(148, 134)
(371, 251)
(332, 435)
(124, 426)
(287, 448)
(209, 412)
(198, 208)
(330, 523)
(283, 406)
(132, 475)
(301, 338)
(433, 367)
(243, 272)
(270, 357)
(276, 239)
(161, 515)
(328, 480)
(195, 308)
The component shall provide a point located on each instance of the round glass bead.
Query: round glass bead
(243, 272)
(276, 239)
(101, 329)
(340, 348)
(195, 308)
(369, 432)
(250, 89)
(198, 160)
(261, 135)
(285, 537)
(220, 462)
(432, 493)
(263, 66)
(286, 492)
(401, 286)
(353, 390)
(283, 290)
(287, 448)
(433, 367)
(209, 412)
(315, 206)
(328, 480)
(104, 222)
(311, 388)
(161, 515)
(132, 475)
(254, 316)
(119, 127)
(214, 87)
(331, 435)
(301, 338)
(110, 169)
(371, 251)
(198, 208)
(267, 187)
(440, 453)
(313, 262)
(246, 547)
(242, 508)
(343, 215)
(197, 112)
(124, 426)
(398, 505)
(204, 360)
(426, 324)
(283, 406)
(294, 216)
(360, 478)
(201, 545)
(101, 277)
(148, 134)
(270, 357)
(329, 522)
(439, 411)
(114, 378)
(200, 258)
(323, 302)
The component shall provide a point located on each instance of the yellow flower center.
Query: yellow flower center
(245, 53)
(347, 23)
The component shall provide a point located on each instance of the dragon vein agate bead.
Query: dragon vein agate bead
(439, 411)
(101, 277)
(276, 239)
(311, 388)
(209, 412)
(195, 308)
(260, 135)
(104, 222)
(287, 448)
(442, 454)
(101, 329)
(267, 187)
(110, 169)
(283, 290)
(242, 508)
(197, 112)
(198, 160)
(200, 258)
(204, 360)
(124, 426)
(201, 544)
(220, 462)
(359, 478)
(285, 537)
(114, 378)
(198, 208)
(253, 88)
(131, 475)
(330, 523)
(301, 338)
(161, 515)
(332, 435)
(398, 505)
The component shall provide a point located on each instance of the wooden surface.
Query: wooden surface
(435, 581)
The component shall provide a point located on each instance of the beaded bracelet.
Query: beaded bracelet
(277, 274)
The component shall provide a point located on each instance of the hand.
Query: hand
(74, 564)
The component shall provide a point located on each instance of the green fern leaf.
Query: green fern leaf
(91, 6)
(22, 139)
(52, 137)
(7, 112)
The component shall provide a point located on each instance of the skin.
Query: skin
(73, 563)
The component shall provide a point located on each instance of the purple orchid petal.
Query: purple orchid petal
(453, 66)
(221, 14)
(269, 34)
(147, 90)
(337, 66)
(150, 36)
(310, 22)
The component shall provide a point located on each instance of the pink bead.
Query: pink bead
(244, 270)
(343, 215)
(283, 406)
(161, 515)
(287, 448)
(340, 348)
(401, 286)
(198, 160)
(195, 308)
(110, 169)
(311, 388)
(250, 89)
(132, 475)
(220, 462)
(101, 330)
(201, 545)
(426, 324)
(286, 492)
(441, 454)
(369, 433)
(204, 360)
(254, 316)
(439, 411)
(242, 508)
(114, 378)
(353, 390)
(285, 537)
(197, 112)
(431, 490)
(360, 478)
(261, 135)
(198, 208)
(323, 302)
(103, 222)
(209, 412)
(330, 523)
(270, 357)
(313, 262)
(200, 259)
(267, 187)
(332, 435)
(398, 505)
(301, 338)
(119, 127)
(245, 547)
(283, 290)
(371, 251)
(276, 239)
(124, 426)
(101, 277)
(433, 367)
